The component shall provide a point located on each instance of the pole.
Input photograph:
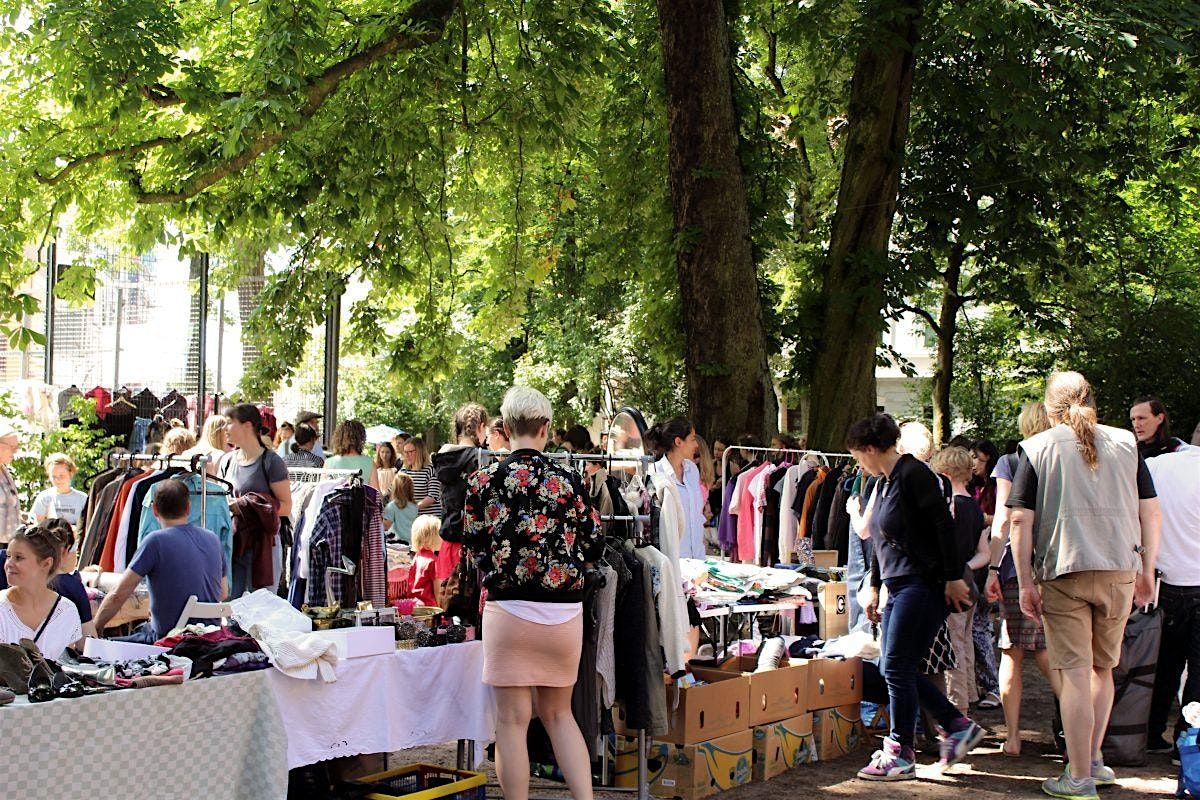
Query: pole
(117, 349)
(220, 341)
(333, 339)
(202, 356)
(51, 279)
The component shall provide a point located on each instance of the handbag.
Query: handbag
(458, 593)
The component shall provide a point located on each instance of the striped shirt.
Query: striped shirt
(426, 485)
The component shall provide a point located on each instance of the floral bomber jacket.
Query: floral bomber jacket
(531, 529)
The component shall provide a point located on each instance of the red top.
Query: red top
(423, 578)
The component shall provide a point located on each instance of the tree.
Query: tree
(852, 296)
(730, 390)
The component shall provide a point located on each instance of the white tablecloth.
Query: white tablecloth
(380, 704)
(214, 738)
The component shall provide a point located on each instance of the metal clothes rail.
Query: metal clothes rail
(195, 463)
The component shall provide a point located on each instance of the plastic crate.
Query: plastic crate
(422, 782)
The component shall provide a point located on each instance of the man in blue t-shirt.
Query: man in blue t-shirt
(178, 561)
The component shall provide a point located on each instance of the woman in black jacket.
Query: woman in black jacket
(917, 557)
(528, 524)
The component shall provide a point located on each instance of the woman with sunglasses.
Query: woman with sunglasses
(29, 608)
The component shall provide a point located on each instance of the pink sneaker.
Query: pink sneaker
(892, 763)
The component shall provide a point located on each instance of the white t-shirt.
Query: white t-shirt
(1177, 481)
(66, 506)
(61, 632)
(541, 613)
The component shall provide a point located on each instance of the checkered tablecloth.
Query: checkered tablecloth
(215, 738)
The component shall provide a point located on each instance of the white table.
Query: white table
(380, 704)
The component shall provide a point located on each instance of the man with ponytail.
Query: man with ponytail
(1084, 529)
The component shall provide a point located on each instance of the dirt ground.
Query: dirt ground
(984, 774)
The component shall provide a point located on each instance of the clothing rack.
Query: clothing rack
(789, 451)
(306, 474)
(582, 458)
(196, 464)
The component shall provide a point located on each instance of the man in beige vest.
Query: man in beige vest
(1084, 528)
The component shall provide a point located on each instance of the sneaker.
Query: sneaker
(955, 746)
(991, 701)
(771, 654)
(892, 763)
(1159, 746)
(1067, 788)
(1102, 775)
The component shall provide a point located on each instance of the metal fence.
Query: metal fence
(143, 331)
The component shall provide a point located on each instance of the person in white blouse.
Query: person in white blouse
(29, 608)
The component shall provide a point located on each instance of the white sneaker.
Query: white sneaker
(771, 655)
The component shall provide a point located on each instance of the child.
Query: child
(957, 464)
(60, 501)
(401, 510)
(425, 543)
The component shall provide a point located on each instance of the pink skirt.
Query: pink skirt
(517, 652)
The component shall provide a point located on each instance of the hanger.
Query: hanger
(197, 469)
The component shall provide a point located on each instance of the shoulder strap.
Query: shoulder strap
(46, 621)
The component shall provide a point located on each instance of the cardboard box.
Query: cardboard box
(621, 753)
(112, 650)
(833, 615)
(775, 695)
(834, 682)
(825, 558)
(837, 731)
(369, 640)
(783, 745)
(718, 708)
(693, 771)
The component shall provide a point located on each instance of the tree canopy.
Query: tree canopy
(501, 173)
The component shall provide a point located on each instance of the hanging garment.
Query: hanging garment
(727, 524)
(255, 529)
(102, 398)
(145, 404)
(824, 503)
(216, 516)
(98, 513)
(789, 522)
(137, 437)
(810, 502)
(672, 605)
(173, 406)
(108, 558)
(64, 401)
(131, 516)
(747, 546)
(637, 652)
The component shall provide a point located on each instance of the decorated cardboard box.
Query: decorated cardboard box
(837, 731)
(833, 615)
(784, 745)
(694, 771)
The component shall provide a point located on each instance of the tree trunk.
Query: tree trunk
(852, 298)
(943, 373)
(729, 385)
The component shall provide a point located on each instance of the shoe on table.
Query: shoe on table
(1067, 788)
(1102, 775)
(991, 701)
(955, 746)
(892, 763)
(1158, 745)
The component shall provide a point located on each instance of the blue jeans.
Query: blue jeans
(914, 613)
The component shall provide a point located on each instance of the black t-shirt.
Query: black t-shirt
(968, 524)
(1025, 483)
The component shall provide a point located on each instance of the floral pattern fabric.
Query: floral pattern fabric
(530, 528)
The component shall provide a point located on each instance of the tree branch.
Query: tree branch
(920, 312)
(91, 158)
(428, 17)
(772, 60)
